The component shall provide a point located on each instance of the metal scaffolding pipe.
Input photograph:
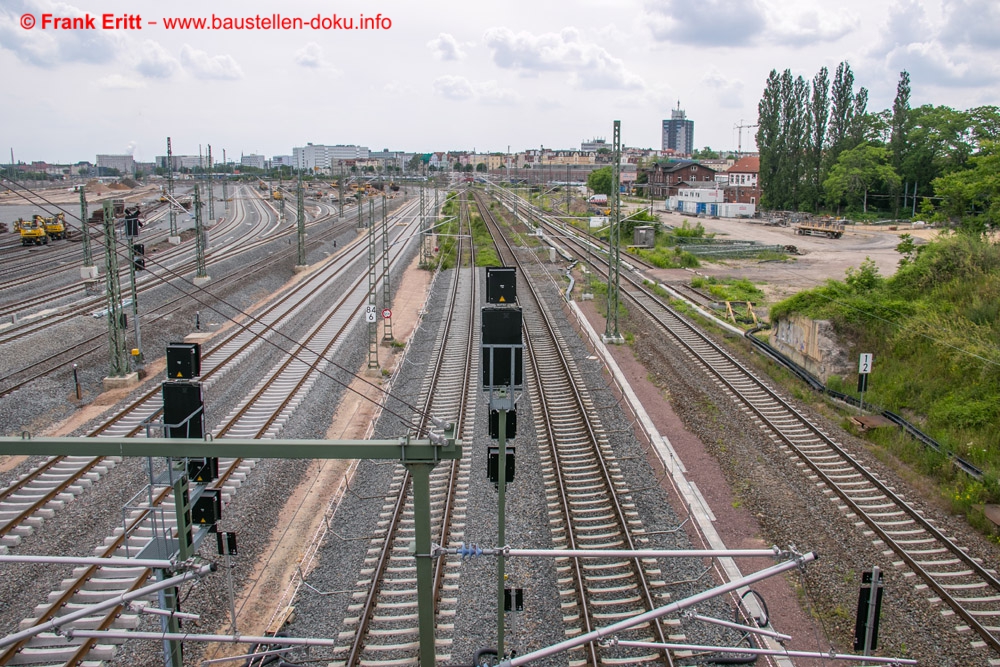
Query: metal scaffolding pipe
(764, 651)
(74, 560)
(166, 612)
(633, 553)
(654, 614)
(187, 637)
(107, 604)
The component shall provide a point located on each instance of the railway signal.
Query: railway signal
(132, 223)
(502, 348)
(139, 256)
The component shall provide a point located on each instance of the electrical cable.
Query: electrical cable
(254, 320)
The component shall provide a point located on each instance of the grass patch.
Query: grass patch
(729, 289)
(934, 328)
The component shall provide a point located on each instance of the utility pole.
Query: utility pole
(567, 188)
(172, 214)
(116, 317)
(88, 271)
(300, 221)
(424, 260)
(225, 180)
(386, 283)
(372, 312)
(201, 275)
(211, 187)
(611, 334)
(340, 189)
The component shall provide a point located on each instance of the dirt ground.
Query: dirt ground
(276, 574)
(821, 259)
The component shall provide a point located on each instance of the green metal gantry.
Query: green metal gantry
(419, 457)
(611, 334)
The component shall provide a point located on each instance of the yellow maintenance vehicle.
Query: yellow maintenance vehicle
(276, 195)
(32, 231)
(55, 227)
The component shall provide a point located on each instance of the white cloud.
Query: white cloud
(945, 53)
(460, 88)
(453, 87)
(120, 82)
(446, 47)
(728, 92)
(971, 22)
(928, 63)
(706, 22)
(312, 56)
(590, 66)
(50, 48)
(155, 62)
(907, 23)
(492, 93)
(204, 66)
(808, 26)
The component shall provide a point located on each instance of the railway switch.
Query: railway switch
(183, 360)
(492, 464)
(207, 508)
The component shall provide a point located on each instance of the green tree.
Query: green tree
(599, 181)
(481, 167)
(900, 121)
(972, 196)
(857, 172)
(819, 111)
(768, 131)
(841, 111)
(705, 153)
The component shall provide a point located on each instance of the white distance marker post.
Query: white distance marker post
(371, 314)
(864, 368)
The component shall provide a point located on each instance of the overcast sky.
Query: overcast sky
(448, 75)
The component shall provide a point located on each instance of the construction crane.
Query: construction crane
(739, 136)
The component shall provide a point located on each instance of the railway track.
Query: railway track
(382, 628)
(60, 360)
(175, 260)
(969, 589)
(589, 505)
(222, 357)
(261, 412)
